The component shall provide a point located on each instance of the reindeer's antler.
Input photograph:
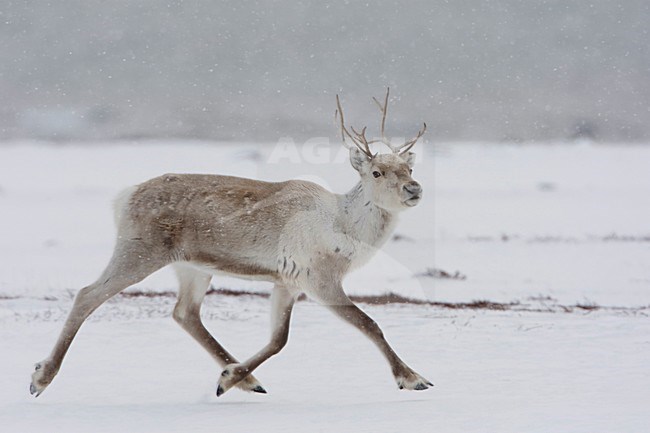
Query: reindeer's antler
(359, 138)
(396, 149)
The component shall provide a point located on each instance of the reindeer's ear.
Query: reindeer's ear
(409, 158)
(358, 159)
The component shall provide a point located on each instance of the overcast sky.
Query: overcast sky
(260, 70)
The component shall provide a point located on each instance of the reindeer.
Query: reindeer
(295, 234)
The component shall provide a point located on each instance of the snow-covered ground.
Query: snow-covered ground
(541, 225)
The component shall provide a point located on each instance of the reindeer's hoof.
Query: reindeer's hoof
(40, 380)
(257, 389)
(35, 390)
(236, 375)
(419, 386)
(413, 381)
(250, 384)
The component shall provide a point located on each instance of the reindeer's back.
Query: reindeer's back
(231, 223)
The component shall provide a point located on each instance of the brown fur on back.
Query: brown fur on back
(223, 222)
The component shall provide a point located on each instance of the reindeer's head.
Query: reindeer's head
(387, 177)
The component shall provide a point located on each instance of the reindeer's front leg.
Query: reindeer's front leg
(282, 301)
(337, 301)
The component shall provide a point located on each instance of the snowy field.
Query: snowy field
(556, 236)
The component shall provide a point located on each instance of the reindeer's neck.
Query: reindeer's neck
(364, 221)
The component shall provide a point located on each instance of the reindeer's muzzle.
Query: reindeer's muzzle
(413, 192)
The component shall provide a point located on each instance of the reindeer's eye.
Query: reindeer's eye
(410, 171)
(376, 173)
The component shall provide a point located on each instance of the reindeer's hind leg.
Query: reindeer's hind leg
(132, 261)
(193, 286)
(282, 300)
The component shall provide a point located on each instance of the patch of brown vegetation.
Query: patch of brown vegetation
(230, 292)
(143, 294)
(441, 274)
(385, 299)
(539, 304)
(393, 298)
(550, 239)
(614, 237)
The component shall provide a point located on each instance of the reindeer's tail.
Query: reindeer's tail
(121, 202)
